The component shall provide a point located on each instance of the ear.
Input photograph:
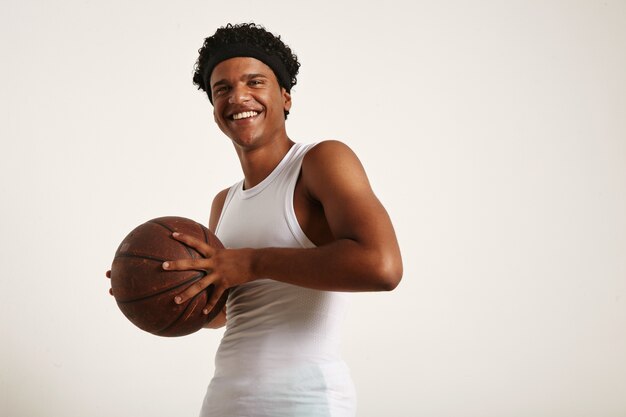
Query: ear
(286, 100)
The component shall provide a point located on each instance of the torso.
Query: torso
(309, 211)
(280, 353)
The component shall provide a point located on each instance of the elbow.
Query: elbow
(389, 273)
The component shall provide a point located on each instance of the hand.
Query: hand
(108, 275)
(225, 268)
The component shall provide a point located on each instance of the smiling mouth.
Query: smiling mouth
(244, 115)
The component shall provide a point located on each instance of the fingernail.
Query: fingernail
(166, 265)
(178, 300)
(205, 311)
(175, 234)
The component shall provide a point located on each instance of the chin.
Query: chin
(244, 141)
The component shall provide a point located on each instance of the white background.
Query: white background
(493, 132)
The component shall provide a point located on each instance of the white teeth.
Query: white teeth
(244, 115)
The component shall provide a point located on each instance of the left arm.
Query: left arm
(364, 255)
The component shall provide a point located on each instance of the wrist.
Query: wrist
(252, 259)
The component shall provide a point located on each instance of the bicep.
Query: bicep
(336, 178)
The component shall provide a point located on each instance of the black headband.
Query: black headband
(244, 50)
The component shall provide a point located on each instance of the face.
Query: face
(249, 104)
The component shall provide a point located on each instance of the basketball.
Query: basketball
(145, 292)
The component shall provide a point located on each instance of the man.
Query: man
(302, 228)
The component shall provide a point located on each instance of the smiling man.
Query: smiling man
(302, 228)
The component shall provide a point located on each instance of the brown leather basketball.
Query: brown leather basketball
(145, 292)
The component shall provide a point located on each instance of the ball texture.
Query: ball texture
(145, 292)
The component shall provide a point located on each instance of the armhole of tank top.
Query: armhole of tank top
(229, 198)
(290, 212)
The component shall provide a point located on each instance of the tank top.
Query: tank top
(280, 353)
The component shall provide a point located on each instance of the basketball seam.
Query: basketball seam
(204, 233)
(190, 251)
(134, 255)
(194, 278)
(189, 304)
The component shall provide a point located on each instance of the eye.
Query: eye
(255, 82)
(220, 90)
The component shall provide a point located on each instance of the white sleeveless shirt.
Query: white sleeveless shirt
(280, 353)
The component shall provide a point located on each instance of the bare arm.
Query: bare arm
(364, 255)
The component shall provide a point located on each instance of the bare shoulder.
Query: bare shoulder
(328, 151)
(333, 166)
(216, 208)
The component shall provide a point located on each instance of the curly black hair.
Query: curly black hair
(248, 34)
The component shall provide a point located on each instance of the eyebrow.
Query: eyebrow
(245, 77)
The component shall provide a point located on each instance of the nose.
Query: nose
(239, 94)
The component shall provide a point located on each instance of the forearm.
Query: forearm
(343, 265)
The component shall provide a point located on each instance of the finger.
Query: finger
(216, 294)
(108, 274)
(202, 264)
(200, 245)
(194, 289)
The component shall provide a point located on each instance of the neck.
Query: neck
(258, 163)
